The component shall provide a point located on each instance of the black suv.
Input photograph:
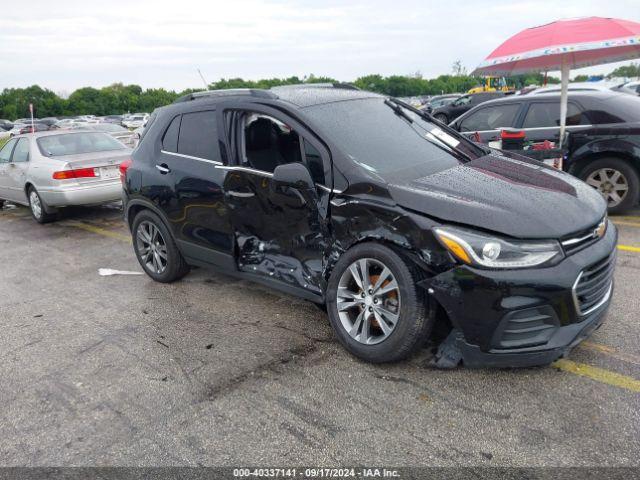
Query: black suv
(452, 110)
(399, 226)
(604, 135)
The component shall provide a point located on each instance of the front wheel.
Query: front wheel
(156, 250)
(615, 180)
(376, 309)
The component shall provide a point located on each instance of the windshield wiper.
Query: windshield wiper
(399, 104)
(397, 108)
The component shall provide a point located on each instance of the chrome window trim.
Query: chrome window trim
(190, 157)
(245, 169)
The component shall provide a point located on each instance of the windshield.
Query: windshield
(382, 140)
(77, 143)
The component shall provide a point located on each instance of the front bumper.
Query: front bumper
(83, 195)
(517, 318)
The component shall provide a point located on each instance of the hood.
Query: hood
(513, 196)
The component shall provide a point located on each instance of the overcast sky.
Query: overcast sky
(66, 44)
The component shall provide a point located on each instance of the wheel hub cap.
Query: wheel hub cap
(368, 301)
(151, 247)
(612, 185)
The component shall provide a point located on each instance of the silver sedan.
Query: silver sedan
(54, 169)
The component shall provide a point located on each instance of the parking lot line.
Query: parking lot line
(628, 248)
(598, 374)
(99, 231)
(610, 351)
(628, 224)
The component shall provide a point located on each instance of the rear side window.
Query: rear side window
(199, 136)
(21, 153)
(490, 118)
(170, 139)
(548, 115)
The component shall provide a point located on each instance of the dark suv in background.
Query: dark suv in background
(604, 135)
(399, 226)
(463, 104)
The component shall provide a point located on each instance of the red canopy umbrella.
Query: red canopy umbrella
(563, 45)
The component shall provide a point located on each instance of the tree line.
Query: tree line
(119, 98)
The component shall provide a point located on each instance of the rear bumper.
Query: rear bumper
(83, 195)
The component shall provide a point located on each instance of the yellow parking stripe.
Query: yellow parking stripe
(628, 248)
(628, 224)
(99, 231)
(598, 374)
(610, 351)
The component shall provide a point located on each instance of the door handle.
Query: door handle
(163, 168)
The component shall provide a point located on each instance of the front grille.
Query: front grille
(593, 286)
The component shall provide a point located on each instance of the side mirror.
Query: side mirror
(294, 175)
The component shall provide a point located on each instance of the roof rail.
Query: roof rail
(252, 92)
(345, 86)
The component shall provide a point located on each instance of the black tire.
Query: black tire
(629, 200)
(176, 267)
(38, 208)
(1, 203)
(442, 118)
(413, 324)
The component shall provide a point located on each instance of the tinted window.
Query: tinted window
(77, 143)
(548, 115)
(21, 153)
(170, 139)
(490, 118)
(198, 135)
(314, 163)
(379, 140)
(5, 152)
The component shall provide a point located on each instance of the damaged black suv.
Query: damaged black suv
(401, 227)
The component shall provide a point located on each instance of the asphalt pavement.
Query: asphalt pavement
(211, 370)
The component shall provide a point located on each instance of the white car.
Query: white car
(136, 121)
(54, 169)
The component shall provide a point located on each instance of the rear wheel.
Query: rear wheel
(38, 208)
(375, 308)
(155, 249)
(615, 180)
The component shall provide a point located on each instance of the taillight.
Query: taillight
(79, 173)
(124, 166)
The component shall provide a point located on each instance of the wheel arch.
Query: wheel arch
(600, 150)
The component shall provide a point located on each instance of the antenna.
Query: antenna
(206, 85)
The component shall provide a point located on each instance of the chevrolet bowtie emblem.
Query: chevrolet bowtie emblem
(600, 230)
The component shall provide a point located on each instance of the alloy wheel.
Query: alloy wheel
(368, 301)
(611, 183)
(152, 247)
(34, 202)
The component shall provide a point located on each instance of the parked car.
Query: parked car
(447, 113)
(604, 141)
(113, 119)
(6, 124)
(49, 121)
(439, 101)
(397, 225)
(136, 121)
(50, 170)
(35, 127)
(127, 137)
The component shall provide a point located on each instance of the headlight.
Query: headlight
(486, 251)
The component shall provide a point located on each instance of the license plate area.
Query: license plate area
(109, 173)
